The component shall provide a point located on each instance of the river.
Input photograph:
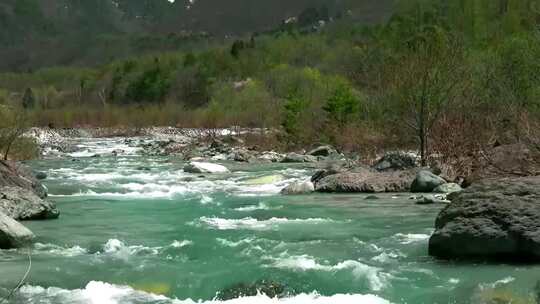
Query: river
(137, 229)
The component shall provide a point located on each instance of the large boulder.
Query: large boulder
(495, 219)
(13, 234)
(298, 188)
(425, 181)
(299, 158)
(13, 174)
(366, 181)
(200, 167)
(322, 151)
(22, 204)
(396, 160)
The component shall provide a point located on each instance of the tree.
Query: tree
(29, 99)
(426, 81)
(342, 106)
(13, 124)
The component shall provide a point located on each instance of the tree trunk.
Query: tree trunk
(422, 133)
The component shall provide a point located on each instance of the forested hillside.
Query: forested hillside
(443, 74)
(41, 33)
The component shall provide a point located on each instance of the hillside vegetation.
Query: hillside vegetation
(445, 75)
(44, 33)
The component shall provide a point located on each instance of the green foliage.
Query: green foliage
(151, 86)
(343, 106)
(294, 107)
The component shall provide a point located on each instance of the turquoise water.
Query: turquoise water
(137, 229)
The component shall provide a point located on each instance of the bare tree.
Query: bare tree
(424, 84)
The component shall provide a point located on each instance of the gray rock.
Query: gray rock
(22, 204)
(371, 197)
(448, 188)
(322, 151)
(426, 181)
(326, 172)
(13, 234)
(367, 181)
(494, 219)
(41, 175)
(298, 188)
(299, 158)
(242, 155)
(13, 174)
(396, 160)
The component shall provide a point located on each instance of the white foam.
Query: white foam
(59, 250)
(105, 293)
(260, 206)
(306, 263)
(411, 238)
(254, 224)
(228, 243)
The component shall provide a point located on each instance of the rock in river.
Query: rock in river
(299, 158)
(199, 167)
(22, 204)
(14, 174)
(13, 234)
(426, 181)
(367, 181)
(322, 151)
(298, 188)
(495, 219)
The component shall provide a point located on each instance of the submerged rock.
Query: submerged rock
(199, 167)
(366, 181)
(22, 204)
(426, 182)
(13, 234)
(264, 180)
(495, 219)
(41, 175)
(270, 289)
(298, 188)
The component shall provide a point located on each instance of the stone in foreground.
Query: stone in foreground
(13, 234)
(22, 204)
(298, 188)
(495, 219)
(426, 182)
(199, 167)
